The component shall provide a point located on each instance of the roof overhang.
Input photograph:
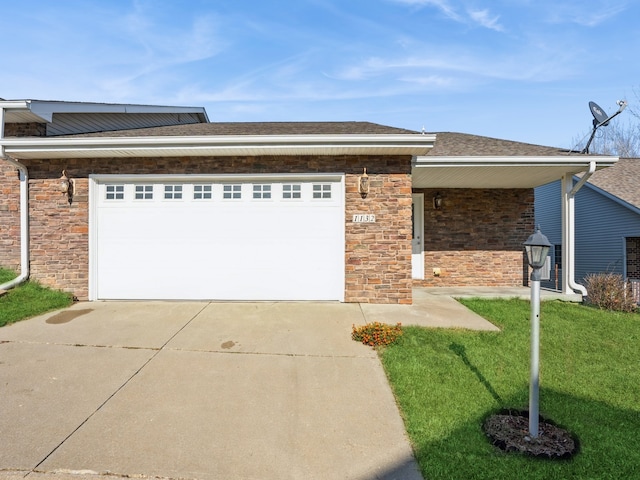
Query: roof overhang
(499, 172)
(224, 145)
(42, 111)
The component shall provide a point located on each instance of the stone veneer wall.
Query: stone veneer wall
(377, 255)
(476, 238)
(10, 197)
(9, 216)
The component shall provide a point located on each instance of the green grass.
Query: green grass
(28, 300)
(448, 381)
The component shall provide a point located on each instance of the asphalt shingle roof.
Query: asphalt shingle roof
(449, 144)
(259, 128)
(621, 180)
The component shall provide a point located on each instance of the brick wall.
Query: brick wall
(10, 198)
(377, 256)
(25, 129)
(9, 217)
(476, 238)
(378, 260)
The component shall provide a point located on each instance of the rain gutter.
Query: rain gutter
(568, 229)
(24, 212)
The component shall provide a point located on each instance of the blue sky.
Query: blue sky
(516, 69)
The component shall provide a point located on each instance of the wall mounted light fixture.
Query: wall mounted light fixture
(363, 184)
(437, 201)
(67, 186)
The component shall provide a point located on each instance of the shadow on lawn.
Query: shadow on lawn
(460, 350)
(607, 435)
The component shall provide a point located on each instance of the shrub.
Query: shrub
(609, 291)
(376, 334)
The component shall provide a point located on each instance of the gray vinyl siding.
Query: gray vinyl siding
(75, 123)
(601, 227)
(548, 214)
(602, 223)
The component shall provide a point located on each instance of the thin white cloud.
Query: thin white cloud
(454, 66)
(485, 19)
(169, 45)
(443, 5)
(586, 14)
(480, 17)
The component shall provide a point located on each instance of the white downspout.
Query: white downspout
(569, 191)
(24, 213)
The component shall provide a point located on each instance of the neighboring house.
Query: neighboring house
(607, 223)
(346, 211)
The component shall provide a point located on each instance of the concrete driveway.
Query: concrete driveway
(198, 390)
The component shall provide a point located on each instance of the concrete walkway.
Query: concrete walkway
(199, 390)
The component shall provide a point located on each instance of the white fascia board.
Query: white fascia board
(14, 104)
(49, 147)
(45, 109)
(514, 161)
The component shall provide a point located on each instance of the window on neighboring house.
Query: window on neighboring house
(557, 255)
(144, 192)
(232, 192)
(114, 192)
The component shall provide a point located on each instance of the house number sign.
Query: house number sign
(364, 218)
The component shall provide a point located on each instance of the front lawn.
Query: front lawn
(448, 381)
(28, 300)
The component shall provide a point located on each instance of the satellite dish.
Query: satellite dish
(601, 119)
(599, 115)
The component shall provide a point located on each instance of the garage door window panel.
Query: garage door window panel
(203, 192)
(173, 192)
(262, 192)
(232, 192)
(322, 191)
(144, 192)
(291, 191)
(114, 192)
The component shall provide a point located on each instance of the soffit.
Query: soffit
(506, 172)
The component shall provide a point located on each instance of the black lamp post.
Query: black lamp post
(537, 247)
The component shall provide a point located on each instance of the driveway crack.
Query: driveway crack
(124, 384)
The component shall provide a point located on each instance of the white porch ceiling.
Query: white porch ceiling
(498, 172)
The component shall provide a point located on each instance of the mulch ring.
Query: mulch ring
(509, 431)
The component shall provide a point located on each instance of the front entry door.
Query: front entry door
(417, 239)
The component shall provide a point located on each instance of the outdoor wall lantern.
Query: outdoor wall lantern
(437, 202)
(67, 186)
(537, 247)
(363, 184)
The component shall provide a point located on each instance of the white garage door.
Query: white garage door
(218, 238)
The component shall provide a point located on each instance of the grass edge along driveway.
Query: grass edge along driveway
(28, 300)
(448, 381)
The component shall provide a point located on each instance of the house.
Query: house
(189, 209)
(607, 223)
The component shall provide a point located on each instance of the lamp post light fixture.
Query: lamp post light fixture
(537, 247)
